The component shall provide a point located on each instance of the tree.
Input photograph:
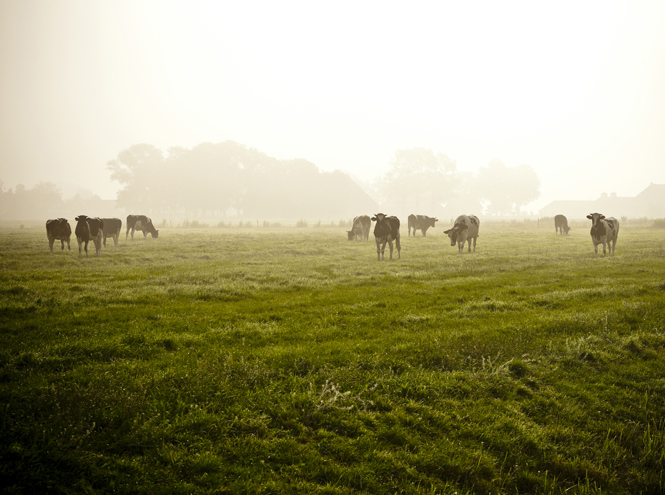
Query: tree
(506, 188)
(139, 170)
(419, 178)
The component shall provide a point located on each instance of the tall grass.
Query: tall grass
(291, 361)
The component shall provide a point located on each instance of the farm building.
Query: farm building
(649, 203)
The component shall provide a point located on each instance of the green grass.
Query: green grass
(292, 361)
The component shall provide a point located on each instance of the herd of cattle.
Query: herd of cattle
(96, 230)
(465, 230)
(386, 231)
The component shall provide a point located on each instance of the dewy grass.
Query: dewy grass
(291, 361)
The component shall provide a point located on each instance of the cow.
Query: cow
(112, 227)
(58, 230)
(603, 231)
(465, 229)
(360, 228)
(142, 223)
(561, 224)
(89, 229)
(386, 230)
(421, 222)
(412, 223)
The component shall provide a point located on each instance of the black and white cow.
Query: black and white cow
(561, 224)
(142, 223)
(386, 230)
(58, 230)
(421, 222)
(360, 229)
(89, 229)
(112, 227)
(604, 231)
(465, 229)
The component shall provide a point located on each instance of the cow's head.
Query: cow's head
(432, 221)
(379, 217)
(351, 234)
(597, 227)
(455, 232)
(566, 229)
(81, 218)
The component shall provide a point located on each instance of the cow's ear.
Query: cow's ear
(77, 219)
(589, 217)
(446, 231)
(374, 219)
(602, 217)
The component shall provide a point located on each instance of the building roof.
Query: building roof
(649, 203)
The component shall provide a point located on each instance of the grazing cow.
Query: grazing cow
(561, 224)
(89, 229)
(386, 230)
(112, 227)
(604, 231)
(58, 230)
(465, 229)
(142, 223)
(421, 222)
(360, 229)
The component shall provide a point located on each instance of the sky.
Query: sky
(573, 89)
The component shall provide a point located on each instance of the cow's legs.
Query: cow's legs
(145, 234)
(62, 244)
(69, 248)
(399, 248)
(474, 244)
(127, 233)
(50, 243)
(81, 244)
(104, 241)
(115, 239)
(469, 245)
(378, 250)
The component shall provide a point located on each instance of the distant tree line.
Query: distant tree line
(43, 200)
(420, 180)
(210, 179)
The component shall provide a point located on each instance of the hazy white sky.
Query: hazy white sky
(574, 89)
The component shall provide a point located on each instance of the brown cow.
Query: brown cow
(89, 229)
(58, 230)
(386, 230)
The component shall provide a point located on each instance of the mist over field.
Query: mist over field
(572, 91)
(249, 334)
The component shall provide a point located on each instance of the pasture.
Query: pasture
(292, 361)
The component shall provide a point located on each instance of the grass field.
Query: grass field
(292, 361)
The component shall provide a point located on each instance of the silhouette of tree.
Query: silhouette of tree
(139, 169)
(420, 177)
(507, 188)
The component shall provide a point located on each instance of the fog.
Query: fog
(571, 90)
